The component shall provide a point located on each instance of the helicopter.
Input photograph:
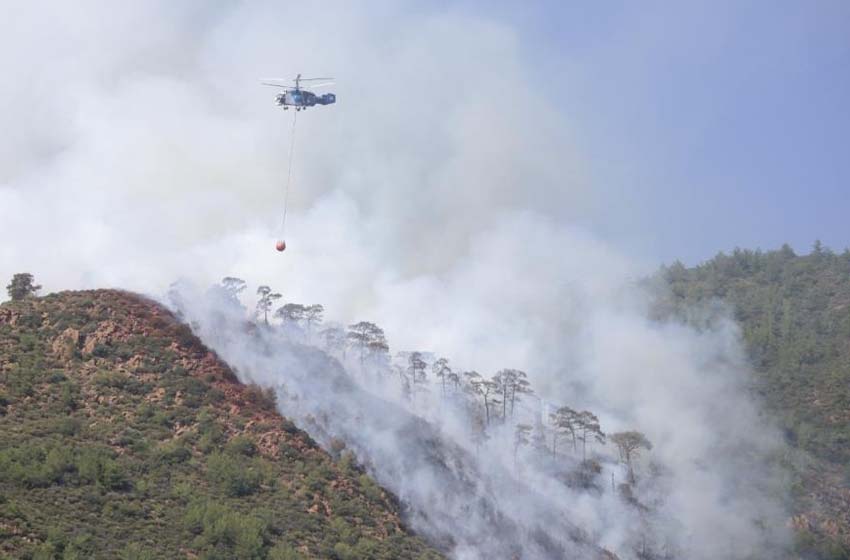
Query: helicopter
(298, 96)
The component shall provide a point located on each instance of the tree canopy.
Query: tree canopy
(22, 286)
(793, 313)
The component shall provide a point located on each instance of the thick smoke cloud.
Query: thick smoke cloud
(156, 116)
(438, 198)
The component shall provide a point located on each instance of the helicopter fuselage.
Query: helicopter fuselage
(300, 98)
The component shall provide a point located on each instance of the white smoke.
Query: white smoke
(438, 198)
(708, 488)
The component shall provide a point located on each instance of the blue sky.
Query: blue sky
(705, 125)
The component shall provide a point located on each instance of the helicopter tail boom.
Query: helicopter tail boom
(326, 99)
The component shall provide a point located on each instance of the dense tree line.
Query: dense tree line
(794, 312)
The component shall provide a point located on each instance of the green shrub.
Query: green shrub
(120, 381)
(289, 427)
(80, 547)
(192, 390)
(134, 551)
(183, 491)
(29, 342)
(35, 466)
(241, 445)
(102, 350)
(5, 401)
(223, 533)
(59, 460)
(21, 383)
(132, 439)
(68, 426)
(371, 490)
(96, 466)
(242, 534)
(233, 475)
(201, 513)
(185, 337)
(263, 398)
(113, 477)
(343, 530)
(172, 453)
(282, 551)
(210, 431)
(124, 510)
(46, 552)
(366, 548)
(58, 546)
(209, 442)
(343, 551)
(70, 396)
(163, 418)
(213, 396)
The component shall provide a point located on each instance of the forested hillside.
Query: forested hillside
(795, 315)
(122, 436)
(794, 312)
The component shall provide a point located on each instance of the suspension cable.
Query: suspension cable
(288, 174)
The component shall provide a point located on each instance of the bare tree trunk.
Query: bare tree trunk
(584, 447)
(504, 402)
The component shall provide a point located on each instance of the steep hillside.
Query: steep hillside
(122, 436)
(794, 312)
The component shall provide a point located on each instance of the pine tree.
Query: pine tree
(629, 444)
(22, 286)
(264, 304)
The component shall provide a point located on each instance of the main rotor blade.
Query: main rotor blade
(313, 79)
(274, 85)
(314, 86)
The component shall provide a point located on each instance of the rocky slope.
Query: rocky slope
(122, 436)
